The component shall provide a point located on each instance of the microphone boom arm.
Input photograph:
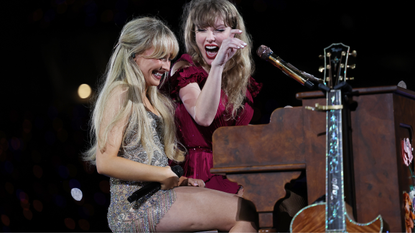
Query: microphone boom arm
(291, 71)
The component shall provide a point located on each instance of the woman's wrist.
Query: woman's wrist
(217, 66)
(164, 174)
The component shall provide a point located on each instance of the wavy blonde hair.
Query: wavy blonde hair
(136, 37)
(235, 79)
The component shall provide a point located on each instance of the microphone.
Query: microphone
(153, 186)
(303, 78)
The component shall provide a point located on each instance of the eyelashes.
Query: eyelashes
(165, 59)
(216, 29)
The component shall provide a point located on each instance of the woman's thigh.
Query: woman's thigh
(197, 209)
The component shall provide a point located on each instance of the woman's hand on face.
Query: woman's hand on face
(192, 182)
(171, 180)
(228, 48)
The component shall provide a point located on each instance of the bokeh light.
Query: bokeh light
(5, 220)
(28, 214)
(23, 197)
(69, 223)
(84, 224)
(38, 205)
(84, 91)
(76, 194)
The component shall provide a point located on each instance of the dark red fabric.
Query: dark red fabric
(198, 139)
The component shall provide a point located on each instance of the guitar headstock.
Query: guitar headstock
(336, 63)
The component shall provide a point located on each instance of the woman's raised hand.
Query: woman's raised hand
(228, 48)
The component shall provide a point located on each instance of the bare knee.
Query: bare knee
(247, 212)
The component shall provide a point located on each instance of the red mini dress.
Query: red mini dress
(198, 139)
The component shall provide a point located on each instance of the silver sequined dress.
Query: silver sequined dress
(142, 215)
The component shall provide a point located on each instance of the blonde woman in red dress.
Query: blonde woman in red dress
(212, 84)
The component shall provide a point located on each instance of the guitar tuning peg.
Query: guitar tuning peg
(320, 56)
(351, 66)
(321, 69)
(349, 78)
(353, 53)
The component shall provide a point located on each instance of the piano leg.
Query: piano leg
(264, 190)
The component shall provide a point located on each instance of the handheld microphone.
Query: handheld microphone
(153, 186)
(303, 78)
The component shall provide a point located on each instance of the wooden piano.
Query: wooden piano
(263, 158)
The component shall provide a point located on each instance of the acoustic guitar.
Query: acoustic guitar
(331, 215)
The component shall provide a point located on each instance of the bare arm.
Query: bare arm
(107, 161)
(203, 104)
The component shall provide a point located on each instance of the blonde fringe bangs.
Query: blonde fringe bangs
(164, 46)
(206, 15)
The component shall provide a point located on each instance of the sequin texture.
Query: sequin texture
(144, 214)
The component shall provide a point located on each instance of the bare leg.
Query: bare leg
(197, 209)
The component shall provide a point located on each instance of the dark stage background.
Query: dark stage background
(50, 47)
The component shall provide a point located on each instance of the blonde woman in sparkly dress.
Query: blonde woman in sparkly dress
(134, 136)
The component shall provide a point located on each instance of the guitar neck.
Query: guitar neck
(308, 219)
(335, 209)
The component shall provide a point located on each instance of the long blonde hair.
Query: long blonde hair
(122, 72)
(235, 79)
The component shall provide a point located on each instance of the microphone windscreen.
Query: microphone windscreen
(178, 170)
(263, 52)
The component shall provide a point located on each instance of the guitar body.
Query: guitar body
(312, 219)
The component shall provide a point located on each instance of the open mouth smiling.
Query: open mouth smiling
(158, 74)
(211, 51)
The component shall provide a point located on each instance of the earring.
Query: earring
(133, 55)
